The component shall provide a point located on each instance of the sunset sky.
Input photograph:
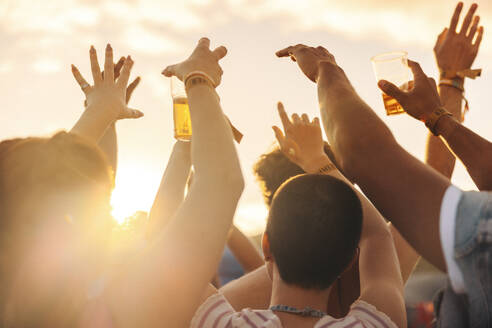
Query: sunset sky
(40, 39)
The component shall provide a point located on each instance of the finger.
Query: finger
(131, 88)
(391, 90)
(169, 71)
(296, 119)
(315, 121)
(476, 45)
(473, 28)
(204, 42)
(220, 52)
(80, 79)
(323, 49)
(109, 64)
(131, 113)
(279, 135)
(283, 116)
(417, 71)
(284, 52)
(118, 66)
(96, 71)
(305, 118)
(125, 72)
(441, 37)
(468, 19)
(456, 17)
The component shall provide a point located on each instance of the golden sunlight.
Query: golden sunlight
(134, 191)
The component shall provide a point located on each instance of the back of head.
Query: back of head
(54, 217)
(274, 168)
(314, 228)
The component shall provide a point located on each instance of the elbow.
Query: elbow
(229, 183)
(360, 157)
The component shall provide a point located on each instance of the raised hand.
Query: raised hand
(108, 97)
(117, 71)
(309, 59)
(420, 101)
(203, 60)
(302, 142)
(456, 51)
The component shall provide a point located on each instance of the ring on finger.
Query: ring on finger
(84, 86)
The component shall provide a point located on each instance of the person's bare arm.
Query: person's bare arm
(404, 189)
(474, 151)
(454, 52)
(253, 290)
(109, 145)
(182, 260)
(407, 256)
(243, 249)
(171, 190)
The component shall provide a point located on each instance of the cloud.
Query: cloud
(47, 65)
(414, 22)
(145, 41)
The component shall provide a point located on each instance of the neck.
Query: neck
(283, 294)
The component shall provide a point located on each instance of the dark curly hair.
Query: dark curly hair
(274, 168)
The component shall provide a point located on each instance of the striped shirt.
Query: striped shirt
(216, 312)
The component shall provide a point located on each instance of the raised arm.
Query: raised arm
(474, 151)
(405, 190)
(171, 190)
(244, 250)
(455, 53)
(109, 141)
(101, 110)
(182, 260)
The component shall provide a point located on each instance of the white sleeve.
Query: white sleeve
(447, 224)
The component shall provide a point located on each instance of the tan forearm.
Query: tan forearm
(438, 154)
(213, 152)
(92, 124)
(109, 145)
(171, 190)
(474, 151)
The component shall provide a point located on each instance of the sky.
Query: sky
(40, 39)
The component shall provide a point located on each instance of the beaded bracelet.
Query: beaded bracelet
(327, 168)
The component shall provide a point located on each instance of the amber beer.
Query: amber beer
(182, 120)
(393, 67)
(391, 105)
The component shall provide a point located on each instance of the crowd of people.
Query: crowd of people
(333, 255)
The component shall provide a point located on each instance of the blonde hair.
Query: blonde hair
(61, 185)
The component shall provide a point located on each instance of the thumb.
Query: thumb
(131, 113)
(169, 71)
(391, 90)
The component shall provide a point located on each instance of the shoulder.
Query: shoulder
(366, 312)
(217, 312)
(362, 314)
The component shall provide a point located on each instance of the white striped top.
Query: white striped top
(216, 312)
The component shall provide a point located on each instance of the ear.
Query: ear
(265, 246)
